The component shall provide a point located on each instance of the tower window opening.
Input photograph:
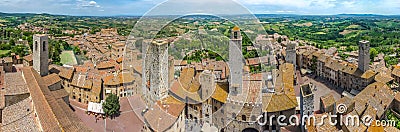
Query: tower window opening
(36, 45)
(44, 45)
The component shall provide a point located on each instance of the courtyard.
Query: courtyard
(322, 88)
(127, 120)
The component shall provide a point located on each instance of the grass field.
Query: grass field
(68, 58)
(2, 52)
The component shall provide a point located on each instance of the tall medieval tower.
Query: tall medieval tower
(235, 61)
(291, 53)
(363, 55)
(41, 54)
(156, 70)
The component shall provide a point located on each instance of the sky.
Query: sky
(140, 7)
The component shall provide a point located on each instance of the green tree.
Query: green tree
(373, 53)
(12, 42)
(279, 40)
(111, 105)
(77, 50)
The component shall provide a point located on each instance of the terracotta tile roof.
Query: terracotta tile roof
(82, 81)
(221, 93)
(277, 102)
(166, 113)
(51, 79)
(378, 95)
(105, 65)
(383, 78)
(354, 128)
(352, 69)
(323, 58)
(325, 127)
(180, 92)
(375, 128)
(328, 100)
(54, 114)
(96, 88)
(60, 93)
(121, 78)
(19, 117)
(158, 120)
(171, 106)
(346, 101)
(236, 28)
(252, 61)
(15, 84)
(370, 111)
(391, 129)
(28, 57)
(7, 59)
(396, 71)
(44, 112)
(65, 73)
(17, 111)
(186, 77)
(368, 74)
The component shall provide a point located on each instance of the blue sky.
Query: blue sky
(139, 7)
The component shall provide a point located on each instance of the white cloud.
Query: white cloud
(86, 3)
(349, 4)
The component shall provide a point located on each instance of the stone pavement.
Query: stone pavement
(126, 121)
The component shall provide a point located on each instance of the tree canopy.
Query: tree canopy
(111, 105)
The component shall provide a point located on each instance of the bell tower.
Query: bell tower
(235, 61)
(41, 54)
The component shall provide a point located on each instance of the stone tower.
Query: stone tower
(156, 70)
(306, 103)
(363, 55)
(235, 61)
(41, 54)
(291, 53)
(207, 82)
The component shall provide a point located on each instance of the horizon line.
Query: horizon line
(133, 15)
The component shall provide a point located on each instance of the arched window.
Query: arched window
(44, 45)
(36, 45)
(235, 35)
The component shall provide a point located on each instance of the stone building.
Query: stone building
(155, 73)
(28, 61)
(117, 50)
(7, 64)
(86, 84)
(345, 75)
(236, 61)
(65, 74)
(31, 103)
(327, 103)
(121, 84)
(291, 53)
(41, 54)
